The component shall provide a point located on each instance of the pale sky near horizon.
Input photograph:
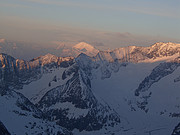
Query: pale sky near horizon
(115, 22)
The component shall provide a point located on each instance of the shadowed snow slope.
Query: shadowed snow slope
(129, 91)
(21, 117)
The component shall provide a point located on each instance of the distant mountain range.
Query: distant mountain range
(129, 91)
(77, 49)
(28, 51)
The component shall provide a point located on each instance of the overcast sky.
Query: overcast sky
(110, 23)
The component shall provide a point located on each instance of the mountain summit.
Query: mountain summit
(88, 49)
(82, 46)
(77, 49)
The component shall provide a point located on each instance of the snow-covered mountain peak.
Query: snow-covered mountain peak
(168, 44)
(88, 49)
(163, 49)
(45, 59)
(158, 52)
(84, 46)
(50, 59)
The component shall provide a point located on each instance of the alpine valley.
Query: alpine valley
(126, 91)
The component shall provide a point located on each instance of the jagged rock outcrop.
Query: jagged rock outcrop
(136, 54)
(3, 130)
(162, 70)
(73, 105)
(176, 130)
(14, 73)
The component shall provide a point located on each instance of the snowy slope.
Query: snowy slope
(21, 117)
(51, 73)
(123, 91)
(116, 78)
(119, 92)
(75, 103)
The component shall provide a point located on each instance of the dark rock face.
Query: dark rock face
(77, 94)
(177, 79)
(14, 73)
(3, 130)
(176, 130)
(157, 73)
